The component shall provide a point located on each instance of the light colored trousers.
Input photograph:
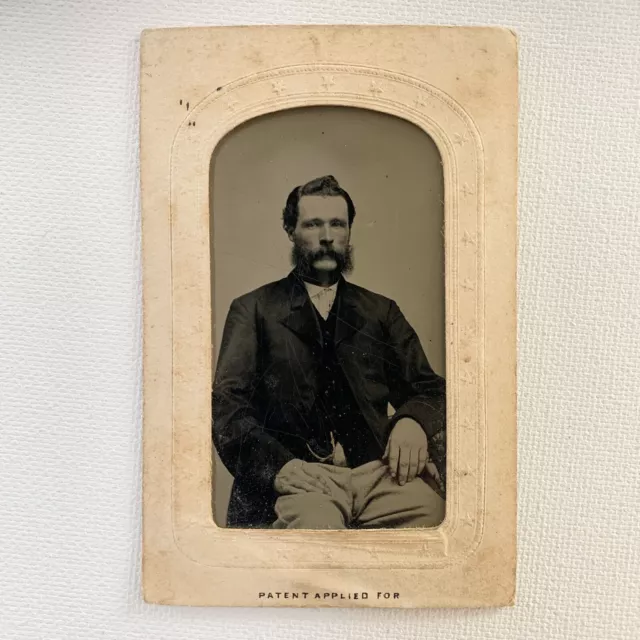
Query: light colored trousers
(366, 496)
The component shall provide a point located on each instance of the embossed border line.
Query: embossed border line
(452, 129)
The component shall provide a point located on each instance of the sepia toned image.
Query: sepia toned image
(329, 241)
(329, 392)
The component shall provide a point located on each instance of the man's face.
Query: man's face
(321, 236)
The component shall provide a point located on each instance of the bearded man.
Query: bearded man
(307, 370)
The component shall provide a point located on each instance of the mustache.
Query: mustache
(312, 256)
(303, 259)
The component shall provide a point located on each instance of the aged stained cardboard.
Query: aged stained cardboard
(201, 87)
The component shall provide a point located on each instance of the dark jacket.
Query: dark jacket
(266, 382)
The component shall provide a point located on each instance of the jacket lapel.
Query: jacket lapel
(300, 317)
(349, 319)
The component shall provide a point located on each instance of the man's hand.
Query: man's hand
(298, 476)
(406, 450)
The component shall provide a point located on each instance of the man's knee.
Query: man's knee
(437, 509)
(414, 504)
(308, 511)
(429, 506)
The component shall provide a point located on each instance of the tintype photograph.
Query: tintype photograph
(329, 391)
(329, 242)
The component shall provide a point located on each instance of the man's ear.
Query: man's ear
(290, 234)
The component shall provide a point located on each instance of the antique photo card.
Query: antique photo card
(329, 229)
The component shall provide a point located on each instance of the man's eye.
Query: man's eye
(338, 223)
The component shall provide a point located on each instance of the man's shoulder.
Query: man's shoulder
(264, 293)
(369, 299)
(280, 292)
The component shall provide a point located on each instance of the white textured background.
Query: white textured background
(70, 339)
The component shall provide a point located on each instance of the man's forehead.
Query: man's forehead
(314, 206)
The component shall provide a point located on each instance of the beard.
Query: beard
(303, 260)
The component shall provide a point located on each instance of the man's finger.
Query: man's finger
(403, 465)
(394, 453)
(413, 465)
(300, 486)
(432, 470)
(422, 460)
(318, 482)
(386, 450)
(300, 479)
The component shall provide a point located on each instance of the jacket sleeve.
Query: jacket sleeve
(416, 391)
(244, 446)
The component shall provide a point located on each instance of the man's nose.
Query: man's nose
(326, 235)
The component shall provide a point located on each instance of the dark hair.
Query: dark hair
(325, 186)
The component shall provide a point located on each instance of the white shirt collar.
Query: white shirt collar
(314, 290)
(322, 298)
